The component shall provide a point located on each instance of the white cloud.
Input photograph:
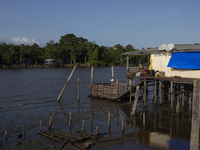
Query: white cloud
(24, 40)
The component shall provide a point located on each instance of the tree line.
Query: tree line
(68, 50)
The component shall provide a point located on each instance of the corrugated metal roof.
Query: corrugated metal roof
(177, 48)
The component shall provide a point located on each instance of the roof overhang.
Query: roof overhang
(177, 48)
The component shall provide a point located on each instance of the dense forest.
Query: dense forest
(68, 50)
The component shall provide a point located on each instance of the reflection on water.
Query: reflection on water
(29, 95)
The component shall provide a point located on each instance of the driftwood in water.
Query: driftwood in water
(51, 120)
(59, 97)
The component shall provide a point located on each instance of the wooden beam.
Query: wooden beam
(59, 97)
(194, 138)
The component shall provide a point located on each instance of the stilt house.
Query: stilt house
(174, 60)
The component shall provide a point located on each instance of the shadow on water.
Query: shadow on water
(156, 127)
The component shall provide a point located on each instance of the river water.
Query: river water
(29, 95)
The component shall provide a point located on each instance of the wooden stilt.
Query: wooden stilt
(143, 120)
(154, 117)
(155, 92)
(144, 94)
(169, 96)
(40, 126)
(133, 82)
(183, 96)
(172, 96)
(70, 121)
(190, 98)
(160, 92)
(109, 119)
(194, 138)
(135, 101)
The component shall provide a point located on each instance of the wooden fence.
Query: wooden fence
(108, 90)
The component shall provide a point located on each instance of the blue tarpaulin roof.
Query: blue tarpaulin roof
(184, 60)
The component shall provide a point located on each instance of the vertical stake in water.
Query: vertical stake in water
(83, 126)
(194, 138)
(130, 87)
(59, 97)
(78, 97)
(92, 80)
(112, 80)
(40, 126)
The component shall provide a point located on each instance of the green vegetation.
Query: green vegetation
(69, 50)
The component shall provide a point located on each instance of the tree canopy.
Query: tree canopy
(69, 50)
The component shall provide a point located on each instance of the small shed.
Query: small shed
(50, 62)
(173, 59)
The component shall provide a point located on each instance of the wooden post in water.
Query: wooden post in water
(92, 81)
(59, 97)
(51, 121)
(70, 121)
(83, 126)
(92, 75)
(144, 93)
(160, 92)
(6, 135)
(40, 126)
(155, 92)
(109, 120)
(178, 99)
(127, 66)
(143, 120)
(169, 96)
(78, 97)
(133, 82)
(135, 101)
(183, 96)
(117, 86)
(172, 95)
(194, 138)
(190, 98)
(91, 119)
(130, 87)
(97, 130)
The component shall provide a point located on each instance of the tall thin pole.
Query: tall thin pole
(127, 66)
(59, 97)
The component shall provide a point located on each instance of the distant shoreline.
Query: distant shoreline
(49, 66)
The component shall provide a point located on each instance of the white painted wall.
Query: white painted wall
(160, 62)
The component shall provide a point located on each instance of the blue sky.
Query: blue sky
(141, 23)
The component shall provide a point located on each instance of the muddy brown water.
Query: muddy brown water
(29, 95)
